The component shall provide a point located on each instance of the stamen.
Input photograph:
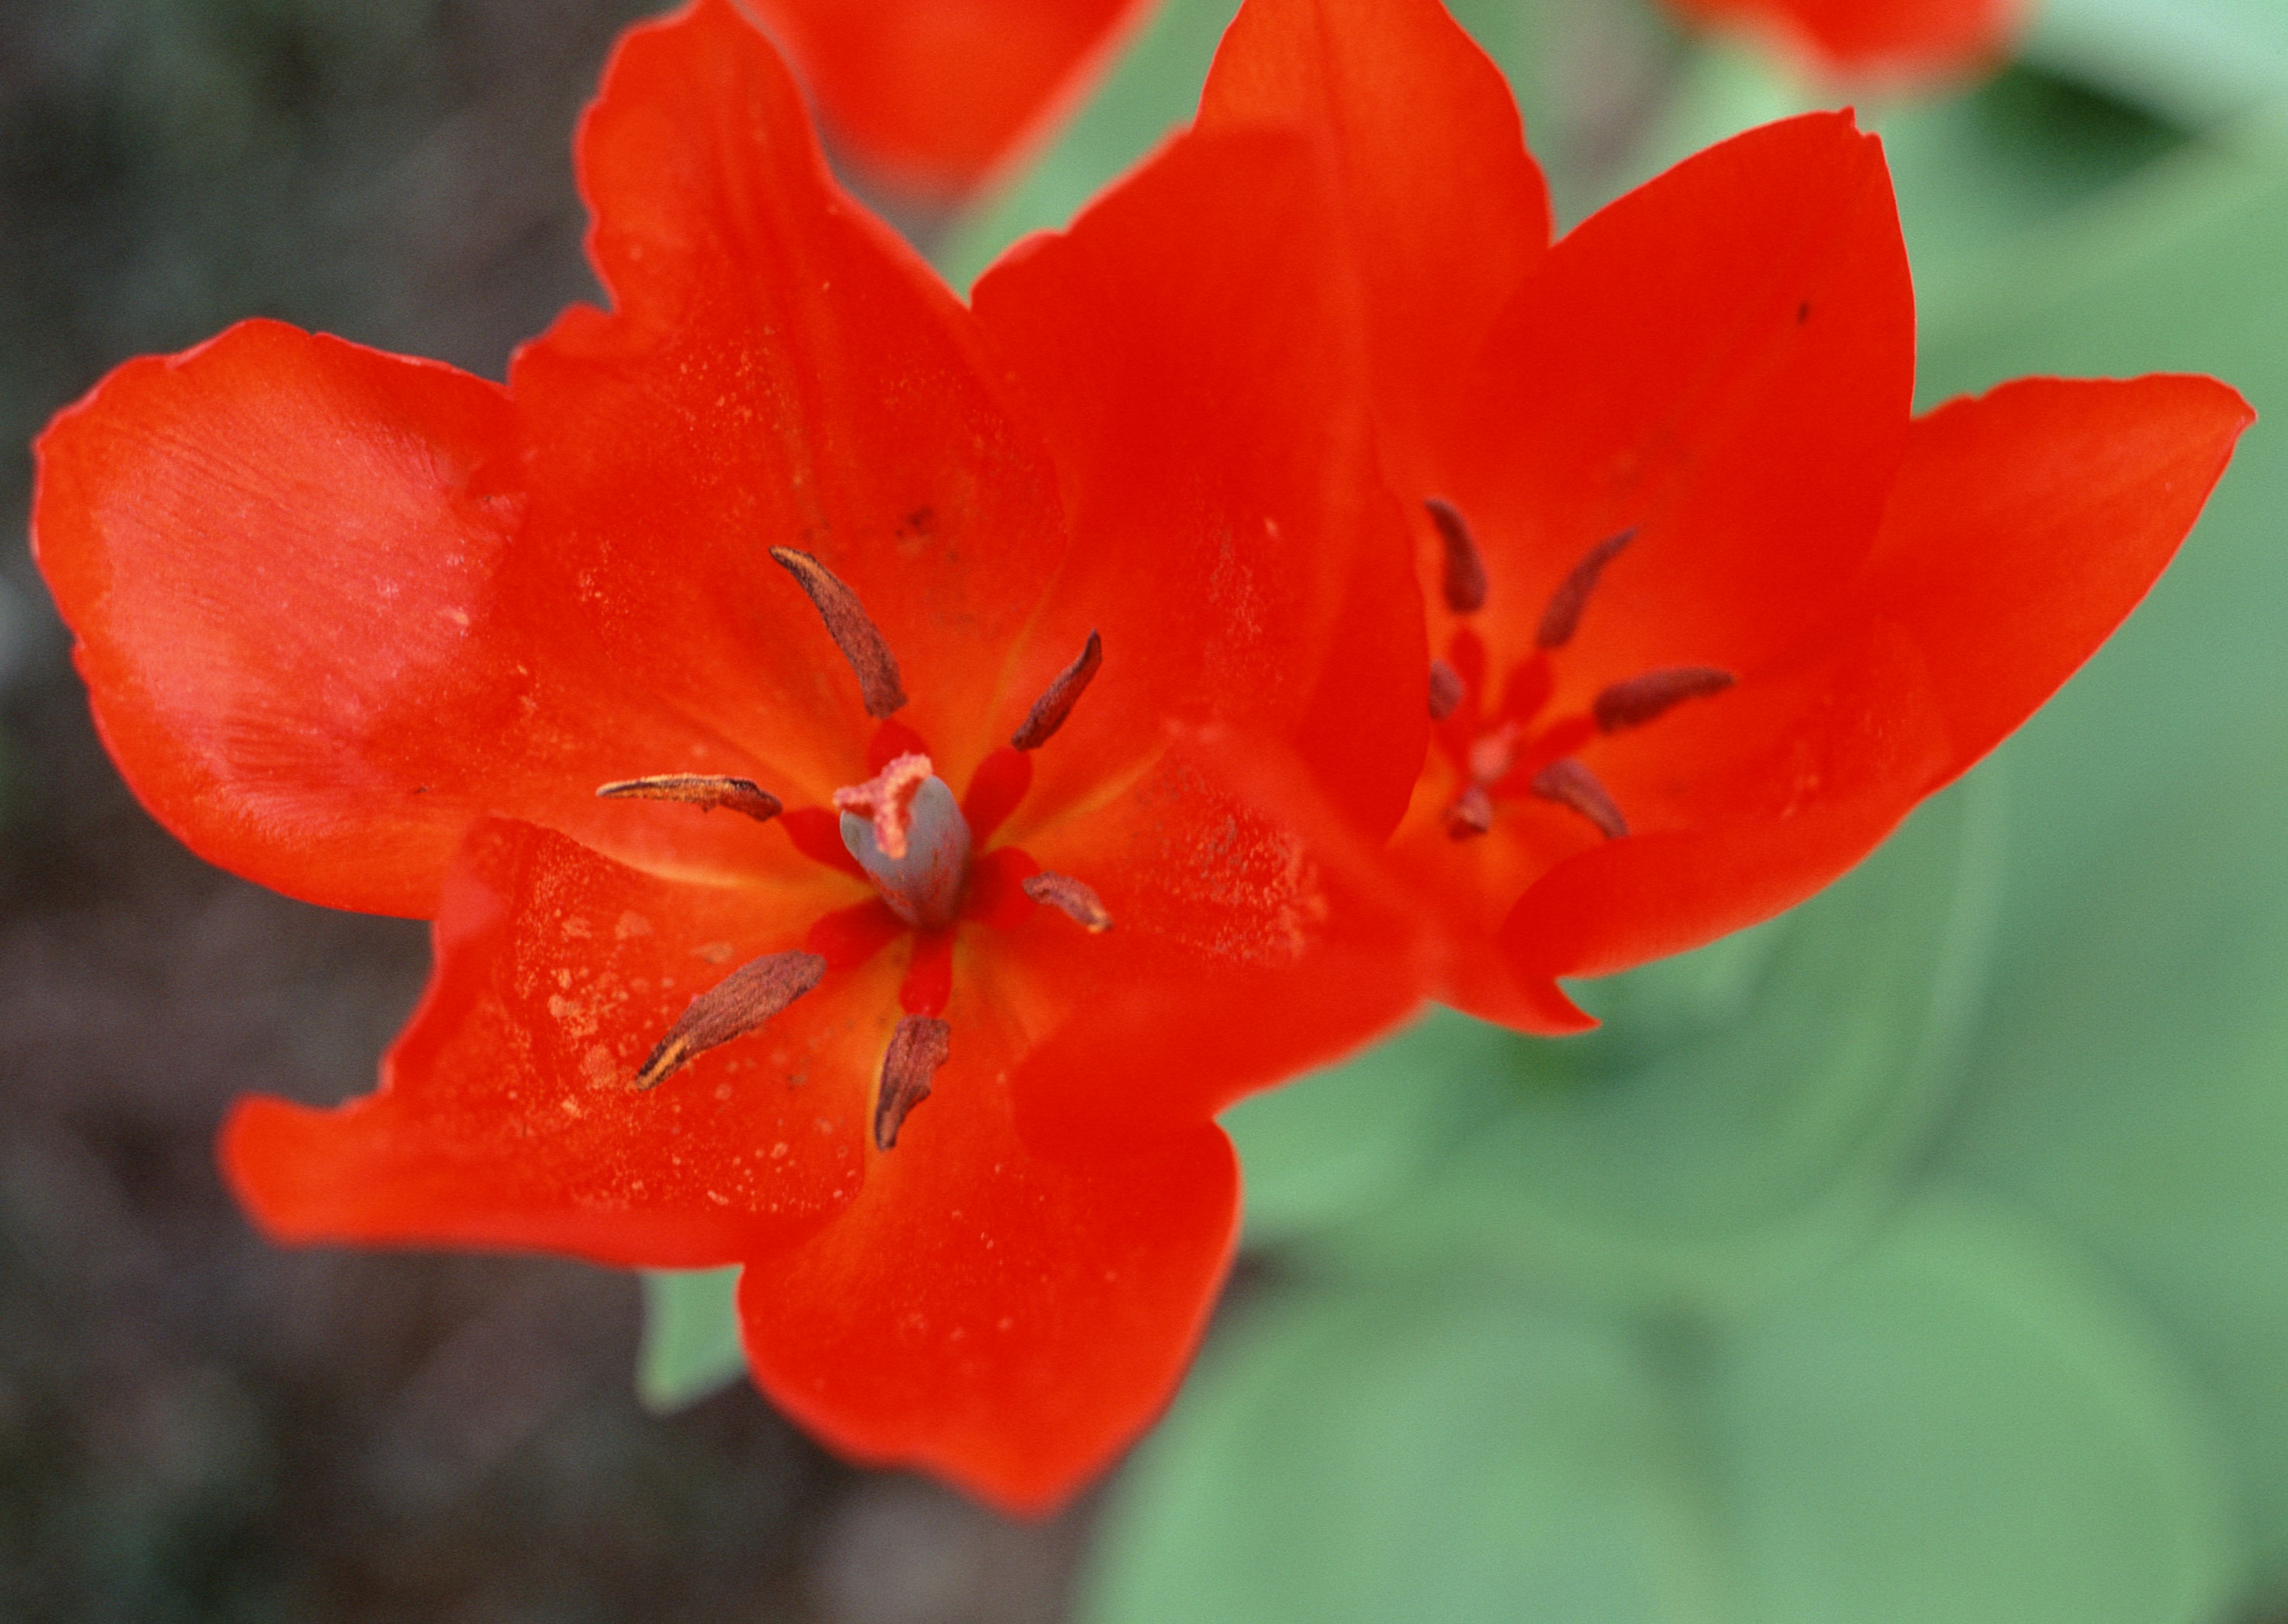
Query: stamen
(919, 1046)
(853, 633)
(1050, 710)
(1446, 690)
(848, 936)
(928, 983)
(1562, 618)
(1531, 682)
(886, 800)
(739, 794)
(995, 893)
(816, 832)
(1640, 698)
(1074, 898)
(1569, 783)
(1462, 578)
(996, 789)
(1470, 815)
(732, 1008)
(1466, 651)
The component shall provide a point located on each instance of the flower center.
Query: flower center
(1506, 750)
(905, 832)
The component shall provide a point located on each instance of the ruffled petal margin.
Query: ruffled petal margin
(505, 1116)
(2027, 522)
(1008, 1320)
(282, 555)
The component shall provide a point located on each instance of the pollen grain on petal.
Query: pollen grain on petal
(1643, 699)
(695, 789)
(1075, 898)
(1462, 574)
(1446, 690)
(1569, 783)
(1561, 617)
(1050, 710)
(853, 629)
(921, 1045)
(732, 1008)
(886, 800)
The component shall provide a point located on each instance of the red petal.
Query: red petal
(2027, 523)
(505, 1116)
(1722, 360)
(1446, 210)
(1008, 1321)
(780, 370)
(1748, 804)
(1192, 343)
(1255, 934)
(933, 96)
(282, 555)
(1881, 36)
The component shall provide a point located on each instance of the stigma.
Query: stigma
(906, 830)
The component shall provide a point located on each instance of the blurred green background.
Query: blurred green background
(1919, 1257)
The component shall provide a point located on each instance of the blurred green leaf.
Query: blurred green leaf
(2179, 270)
(690, 1346)
(1719, 87)
(1407, 1456)
(1976, 173)
(1747, 1112)
(2133, 1086)
(1589, 77)
(1959, 1426)
(1954, 1426)
(2195, 61)
(1344, 1140)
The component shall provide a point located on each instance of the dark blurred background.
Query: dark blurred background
(195, 1425)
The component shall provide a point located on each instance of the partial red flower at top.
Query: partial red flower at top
(798, 700)
(1879, 39)
(1710, 610)
(930, 98)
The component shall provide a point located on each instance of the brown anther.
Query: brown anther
(694, 789)
(917, 1048)
(1560, 618)
(1050, 710)
(1462, 576)
(1074, 898)
(853, 631)
(1470, 815)
(1642, 699)
(886, 800)
(1446, 690)
(1569, 783)
(732, 1008)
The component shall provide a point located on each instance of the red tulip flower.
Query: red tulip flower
(1711, 611)
(931, 98)
(884, 775)
(1877, 38)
